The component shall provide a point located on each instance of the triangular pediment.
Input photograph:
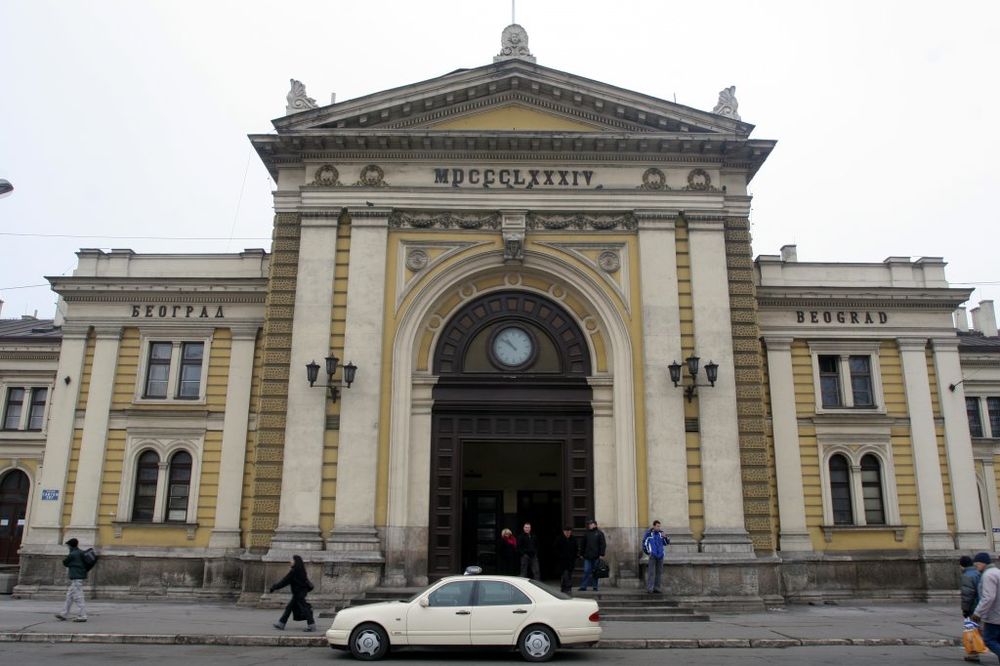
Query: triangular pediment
(514, 95)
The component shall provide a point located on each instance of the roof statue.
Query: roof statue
(297, 98)
(514, 44)
(727, 105)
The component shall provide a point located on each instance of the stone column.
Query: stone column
(226, 533)
(722, 481)
(666, 445)
(302, 467)
(45, 528)
(969, 531)
(357, 453)
(787, 456)
(87, 489)
(993, 502)
(934, 534)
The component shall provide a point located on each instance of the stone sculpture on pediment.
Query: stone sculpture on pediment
(727, 105)
(297, 99)
(514, 44)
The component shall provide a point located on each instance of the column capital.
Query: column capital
(75, 330)
(946, 344)
(108, 331)
(244, 331)
(659, 219)
(715, 223)
(778, 343)
(911, 344)
(369, 217)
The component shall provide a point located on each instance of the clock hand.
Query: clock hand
(509, 344)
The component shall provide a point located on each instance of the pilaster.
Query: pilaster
(934, 534)
(226, 533)
(87, 488)
(725, 530)
(969, 531)
(666, 447)
(305, 426)
(787, 457)
(357, 455)
(46, 514)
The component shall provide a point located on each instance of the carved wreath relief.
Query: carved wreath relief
(372, 176)
(609, 261)
(326, 176)
(699, 180)
(417, 260)
(653, 179)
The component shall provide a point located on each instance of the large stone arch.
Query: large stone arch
(413, 381)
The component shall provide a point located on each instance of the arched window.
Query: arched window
(179, 487)
(146, 474)
(840, 490)
(871, 489)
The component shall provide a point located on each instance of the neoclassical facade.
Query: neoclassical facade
(513, 294)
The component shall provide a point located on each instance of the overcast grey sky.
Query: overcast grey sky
(129, 117)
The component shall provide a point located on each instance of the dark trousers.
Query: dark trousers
(566, 583)
(991, 636)
(294, 602)
(588, 573)
(529, 567)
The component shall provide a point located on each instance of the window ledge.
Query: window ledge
(830, 530)
(119, 525)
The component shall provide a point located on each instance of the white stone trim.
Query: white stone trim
(176, 339)
(164, 445)
(855, 446)
(844, 349)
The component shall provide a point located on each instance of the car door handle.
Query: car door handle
(463, 612)
(520, 611)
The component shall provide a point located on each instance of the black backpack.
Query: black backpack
(89, 558)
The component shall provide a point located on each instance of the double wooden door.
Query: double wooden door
(14, 488)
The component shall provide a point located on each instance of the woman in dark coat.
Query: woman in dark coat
(298, 607)
(508, 560)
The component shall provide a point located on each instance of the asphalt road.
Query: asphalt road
(31, 654)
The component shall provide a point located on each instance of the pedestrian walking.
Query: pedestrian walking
(594, 548)
(567, 550)
(987, 611)
(527, 548)
(654, 544)
(77, 572)
(297, 607)
(508, 561)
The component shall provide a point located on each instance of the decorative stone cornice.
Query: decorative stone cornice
(911, 343)
(581, 221)
(778, 343)
(447, 220)
(656, 219)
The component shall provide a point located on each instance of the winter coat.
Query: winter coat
(74, 562)
(297, 580)
(970, 590)
(508, 559)
(567, 550)
(594, 544)
(655, 543)
(988, 608)
(527, 544)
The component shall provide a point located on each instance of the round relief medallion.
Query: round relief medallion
(609, 261)
(699, 179)
(653, 179)
(327, 176)
(372, 176)
(416, 260)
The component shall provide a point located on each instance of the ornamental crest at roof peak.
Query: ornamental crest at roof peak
(514, 44)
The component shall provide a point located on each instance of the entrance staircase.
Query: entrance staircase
(615, 605)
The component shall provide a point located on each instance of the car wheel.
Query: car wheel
(369, 642)
(537, 643)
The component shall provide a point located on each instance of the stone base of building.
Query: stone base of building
(700, 579)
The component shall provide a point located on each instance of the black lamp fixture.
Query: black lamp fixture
(312, 374)
(711, 373)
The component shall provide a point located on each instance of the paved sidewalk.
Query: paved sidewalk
(221, 624)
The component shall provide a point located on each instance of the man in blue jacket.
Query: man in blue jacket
(654, 544)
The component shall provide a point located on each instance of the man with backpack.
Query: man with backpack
(654, 544)
(78, 564)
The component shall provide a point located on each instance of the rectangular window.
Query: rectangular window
(861, 381)
(993, 409)
(829, 380)
(158, 370)
(189, 387)
(840, 491)
(975, 420)
(36, 415)
(13, 409)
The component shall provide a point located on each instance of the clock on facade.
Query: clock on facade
(512, 347)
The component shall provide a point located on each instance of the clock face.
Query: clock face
(513, 346)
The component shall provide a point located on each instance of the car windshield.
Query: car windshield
(551, 590)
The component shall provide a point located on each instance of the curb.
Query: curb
(610, 644)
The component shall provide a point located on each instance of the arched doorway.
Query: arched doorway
(512, 429)
(14, 487)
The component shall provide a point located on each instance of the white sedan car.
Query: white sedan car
(470, 611)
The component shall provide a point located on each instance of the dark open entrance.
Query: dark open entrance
(14, 486)
(512, 431)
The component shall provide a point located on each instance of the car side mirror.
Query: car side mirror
(423, 602)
